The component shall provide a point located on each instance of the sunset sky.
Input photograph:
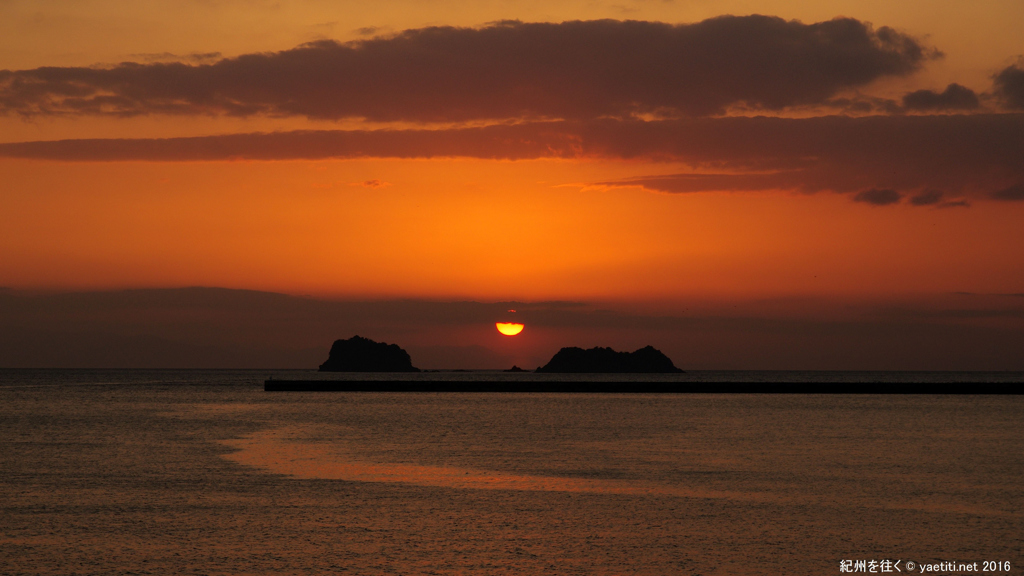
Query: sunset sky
(727, 181)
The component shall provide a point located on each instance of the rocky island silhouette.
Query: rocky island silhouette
(577, 371)
(647, 360)
(358, 354)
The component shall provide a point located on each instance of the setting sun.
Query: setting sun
(509, 328)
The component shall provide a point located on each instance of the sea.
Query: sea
(196, 472)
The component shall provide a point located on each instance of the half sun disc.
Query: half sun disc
(509, 328)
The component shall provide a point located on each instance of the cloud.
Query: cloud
(192, 57)
(934, 198)
(926, 198)
(1009, 86)
(707, 182)
(1014, 193)
(962, 155)
(493, 142)
(954, 97)
(371, 184)
(878, 197)
(861, 104)
(510, 69)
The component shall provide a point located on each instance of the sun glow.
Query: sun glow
(509, 328)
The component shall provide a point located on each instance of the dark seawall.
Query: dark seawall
(608, 387)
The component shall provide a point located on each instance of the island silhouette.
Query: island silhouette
(647, 360)
(358, 354)
(644, 371)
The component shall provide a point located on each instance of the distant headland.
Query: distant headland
(358, 354)
(647, 360)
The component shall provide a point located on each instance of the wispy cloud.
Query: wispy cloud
(878, 197)
(371, 184)
(952, 155)
(1010, 194)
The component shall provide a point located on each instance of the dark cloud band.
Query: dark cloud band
(571, 70)
(946, 154)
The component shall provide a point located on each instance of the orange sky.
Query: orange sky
(574, 187)
(479, 229)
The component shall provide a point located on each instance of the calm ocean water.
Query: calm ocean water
(201, 472)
